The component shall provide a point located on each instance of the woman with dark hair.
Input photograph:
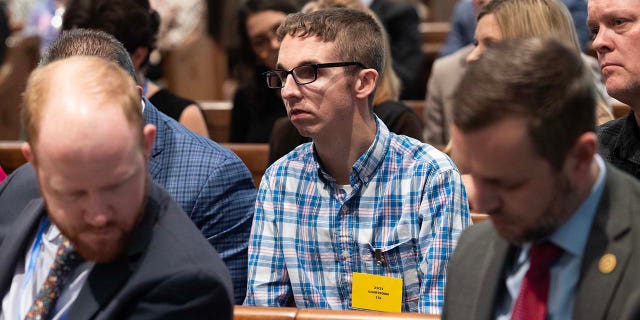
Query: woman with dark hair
(256, 107)
(135, 24)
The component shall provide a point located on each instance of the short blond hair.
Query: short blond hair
(533, 18)
(92, 75)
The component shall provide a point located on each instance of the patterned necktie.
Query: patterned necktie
(531, 303)
(66, 260)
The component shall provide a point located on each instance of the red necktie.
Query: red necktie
(531, 303)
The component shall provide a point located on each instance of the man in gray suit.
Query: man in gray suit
(140, 255)
(563, 238)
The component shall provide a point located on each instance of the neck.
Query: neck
(338, 152)
(583, 190)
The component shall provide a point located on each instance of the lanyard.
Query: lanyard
(33, 256)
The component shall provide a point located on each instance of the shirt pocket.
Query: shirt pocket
(397, 260)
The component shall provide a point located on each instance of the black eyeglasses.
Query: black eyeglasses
(303, 74)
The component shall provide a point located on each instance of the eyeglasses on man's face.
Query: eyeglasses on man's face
(303, 74)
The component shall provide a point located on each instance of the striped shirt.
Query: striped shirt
(406, 204)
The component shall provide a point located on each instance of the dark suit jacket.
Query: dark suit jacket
(476, 273)
(167, 271)
(208, 181)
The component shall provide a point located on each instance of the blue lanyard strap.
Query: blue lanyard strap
(33, 256)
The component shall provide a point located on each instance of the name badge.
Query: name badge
(379, 293)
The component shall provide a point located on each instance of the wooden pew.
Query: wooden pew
(218, 116)
(265, 313)
(320, 314)
(620, 110)
(254, 155)
(434, 35)
(22, 57)
(10, 155)
(479, 217)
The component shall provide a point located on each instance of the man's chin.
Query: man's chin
(100, 251)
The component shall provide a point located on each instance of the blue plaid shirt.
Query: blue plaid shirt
(407, 203)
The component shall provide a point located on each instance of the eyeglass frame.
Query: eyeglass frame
(315, 66)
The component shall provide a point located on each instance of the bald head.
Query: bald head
(80, 86)
(89, 149)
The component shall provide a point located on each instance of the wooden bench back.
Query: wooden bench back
(218, 116)
(264, 313)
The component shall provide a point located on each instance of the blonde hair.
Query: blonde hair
(91, 75)
(540, 18)
(533, 18)
(389, 85)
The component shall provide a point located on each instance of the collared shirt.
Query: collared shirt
(572, 237)
(407, 203)
(24, 287)
(620, 144)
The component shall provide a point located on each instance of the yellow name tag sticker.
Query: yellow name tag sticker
(379, 293)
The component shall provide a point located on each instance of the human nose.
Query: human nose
(484, 198)
(474, 54)
(97, 212)
(290, 88)
(602, 41)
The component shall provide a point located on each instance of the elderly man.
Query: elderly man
(562, 241)
(615, 27)
(359, 205)
(104, 241)
(209, 182)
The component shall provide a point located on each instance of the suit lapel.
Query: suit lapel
(492, 278)
(609, 235)
(14, 246)
(107, 279)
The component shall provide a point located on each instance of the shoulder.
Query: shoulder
(293, 164)
(176, 139)
(608, 132)
(178, 245)
(20, 187)
(421, 156)
(455, 60)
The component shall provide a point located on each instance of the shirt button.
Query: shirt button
(345, 255)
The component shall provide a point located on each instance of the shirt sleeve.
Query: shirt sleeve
(445, 213)
(268, 280)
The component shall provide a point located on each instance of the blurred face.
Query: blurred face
(324, 106)
(615, 27)
(261, 29)
(487, 33)
(525, 197)
(92, 175)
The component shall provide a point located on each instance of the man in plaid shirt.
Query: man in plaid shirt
(358, 198)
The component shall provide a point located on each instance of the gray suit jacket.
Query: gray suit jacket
(167, 271)
(476, 274)
(446, 73)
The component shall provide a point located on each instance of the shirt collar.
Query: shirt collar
(363, 169)
(572, 236)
